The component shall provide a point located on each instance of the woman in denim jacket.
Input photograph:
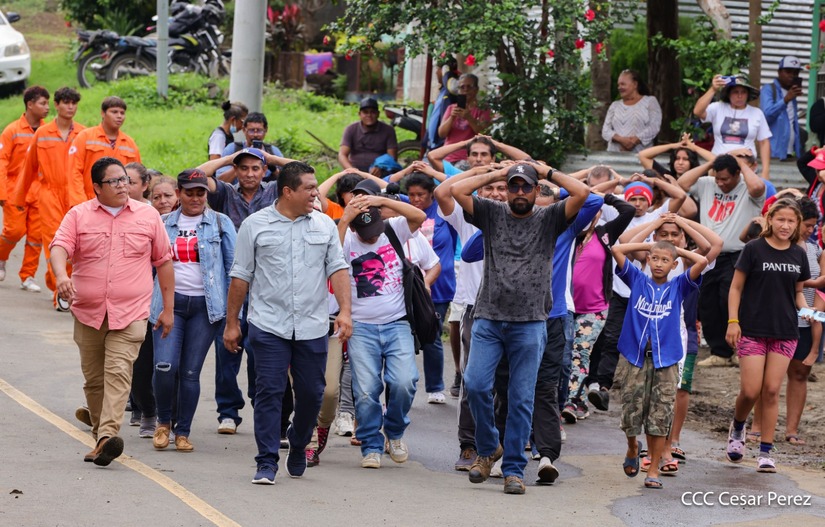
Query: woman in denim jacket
(203, 248)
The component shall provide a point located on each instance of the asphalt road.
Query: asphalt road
(44, 481)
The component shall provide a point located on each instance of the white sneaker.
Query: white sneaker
(2, 270)
(227, 426)
(29, 285)
(344, 424)
(436, 398)
(371, 460)
(495, 472)
(563, 435)
(62, 305)
(547, 472)
(397, 450)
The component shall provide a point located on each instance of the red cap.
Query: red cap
(819, 161)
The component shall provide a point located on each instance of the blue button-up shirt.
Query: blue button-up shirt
(287, 264)
(228, 200)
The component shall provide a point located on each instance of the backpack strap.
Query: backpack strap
(394, 241)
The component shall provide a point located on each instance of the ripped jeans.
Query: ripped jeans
(179, 358)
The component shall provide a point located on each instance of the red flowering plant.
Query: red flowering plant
(285, 27)
(542, 95)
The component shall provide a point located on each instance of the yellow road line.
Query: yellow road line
(170, 485)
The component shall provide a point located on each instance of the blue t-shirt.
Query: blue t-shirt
(443, 238)
(653, 313)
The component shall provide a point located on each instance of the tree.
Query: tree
(122, 16)
(543, 96)
(718, 14)
(662, 65)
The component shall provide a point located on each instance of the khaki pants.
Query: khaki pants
(106, 359)
(329, 404)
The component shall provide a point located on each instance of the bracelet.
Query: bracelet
(550, 175)
(733, 321)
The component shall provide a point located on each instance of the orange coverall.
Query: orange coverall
(47, 165)
(90, 145)
(14, 142)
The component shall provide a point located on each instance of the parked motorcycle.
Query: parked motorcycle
(407, 118)
(194, 45)
(93, 55)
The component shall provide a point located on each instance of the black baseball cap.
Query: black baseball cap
(369, 224)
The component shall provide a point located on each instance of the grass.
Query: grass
(172, 135)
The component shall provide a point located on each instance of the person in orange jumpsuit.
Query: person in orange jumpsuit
(46, 165)
(95, 142)
(21, 219)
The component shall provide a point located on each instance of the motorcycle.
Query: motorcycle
(194, 45)
(407, 118)
(93, 55)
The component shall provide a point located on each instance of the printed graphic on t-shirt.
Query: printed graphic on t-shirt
(185, 248)
(427, 229)
(734, 131)
(722, 207)
(654, 310)
(373, 272)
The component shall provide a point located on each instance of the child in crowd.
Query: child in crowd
(675, 229)
(651, 347)
(765, 295)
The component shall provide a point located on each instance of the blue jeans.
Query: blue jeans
(374, 348)
(274, 356)
(180, 356)
(434, 356)
(227, 365)
(523, 344)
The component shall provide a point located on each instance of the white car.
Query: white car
(15, 60)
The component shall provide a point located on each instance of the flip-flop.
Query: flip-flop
(645, 463)
(668, 467)
(632, 463)
(653, 483)
(753, 437)
(795, 440)
(678, 453)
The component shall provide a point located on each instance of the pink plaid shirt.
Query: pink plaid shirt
(112, 259)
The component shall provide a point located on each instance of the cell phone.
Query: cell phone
(797, 81)
(257, 143)
(461, 101)
(819, 316)
(730, 80)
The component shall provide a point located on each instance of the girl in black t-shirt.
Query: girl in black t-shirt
(765, 293)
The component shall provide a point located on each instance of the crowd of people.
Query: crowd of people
(249, 254)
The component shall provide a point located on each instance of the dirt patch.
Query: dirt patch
(45, 32)
(711, 409)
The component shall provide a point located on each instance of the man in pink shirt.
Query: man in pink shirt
(113, 242)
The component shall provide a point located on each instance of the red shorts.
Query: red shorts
(761, 346)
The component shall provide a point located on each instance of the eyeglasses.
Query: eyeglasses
(116, 181)
(524, 187)
(255, 131)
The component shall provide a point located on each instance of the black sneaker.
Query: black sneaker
(455, 389)
(569, 414)
(296, 461)
(599, 398)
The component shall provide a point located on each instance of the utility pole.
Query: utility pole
(246, 79)
(163, 49)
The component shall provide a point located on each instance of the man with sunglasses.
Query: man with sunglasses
(113, 242)
(512, 304)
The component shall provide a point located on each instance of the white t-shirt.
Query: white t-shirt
(619, 287)
(376, 275)
(186, 257)
(217, 142)
(469, 279)
(734, 129)
(420, 252)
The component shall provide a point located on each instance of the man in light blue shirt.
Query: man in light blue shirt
(284, 257)
(778, 103)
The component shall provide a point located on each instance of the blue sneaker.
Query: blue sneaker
(265, 475)
(296, 460)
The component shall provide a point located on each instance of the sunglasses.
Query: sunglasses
(524, 187)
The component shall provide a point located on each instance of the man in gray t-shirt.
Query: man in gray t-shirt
(728, 200)
(512, 305)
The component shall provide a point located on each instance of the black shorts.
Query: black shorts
(803, 345)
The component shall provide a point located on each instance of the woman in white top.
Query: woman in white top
(735, 123)
(633, 121)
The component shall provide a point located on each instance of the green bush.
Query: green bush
(87, 12)
(629, 53)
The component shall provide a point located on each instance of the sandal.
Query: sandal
(645, 463)
(753, 437)
(354, 441)
(795, 440)
(632, 463)
(678, 453)
(653, 483)
(669, 467)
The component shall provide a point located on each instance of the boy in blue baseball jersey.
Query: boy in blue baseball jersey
(651, 347)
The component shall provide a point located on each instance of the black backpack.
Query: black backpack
(421, 312)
